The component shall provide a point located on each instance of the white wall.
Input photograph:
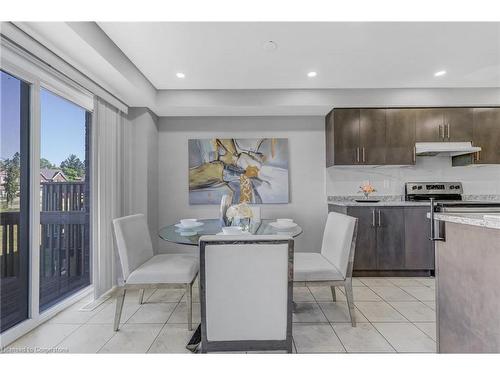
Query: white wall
(141, 164)
(306, 137)
(389, 180)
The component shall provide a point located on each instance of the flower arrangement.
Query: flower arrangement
(240, 215)
(367, 189)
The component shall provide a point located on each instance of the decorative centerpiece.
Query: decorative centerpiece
(367, 189)
(240, 215)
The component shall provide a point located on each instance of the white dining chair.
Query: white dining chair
(333, 265)
(144, 270)
(246, 292)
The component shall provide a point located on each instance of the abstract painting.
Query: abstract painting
(253, 170)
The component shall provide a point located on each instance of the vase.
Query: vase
(225, 203)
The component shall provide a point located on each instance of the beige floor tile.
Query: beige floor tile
(132, 296)
(379, 312)
(196, 294)
(363, 338)
(302, 294)
(172, 339)
(180, 313)
(415, 311)
(363, 293)
(431, 304)
(357, 282)
(392, 293)
(316, 338)
(89, 338)
(132, 338)
(305, 312)
(152, 313)
(73, 315)
(323, 293)
(406, 338)
(422, 293)
(427, 281)
(338, 312)
(166, 295)
(405, 281)
(376, 281)
(44, 337)
(107, 314)
(429, 328)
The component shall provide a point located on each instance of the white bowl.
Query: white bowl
(284, 220)
(283, 225)
(232, 230)
(186, 222)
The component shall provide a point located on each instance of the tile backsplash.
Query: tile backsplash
(390, 180)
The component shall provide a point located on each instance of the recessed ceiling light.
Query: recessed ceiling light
(269, 45)
(312, 74)
(440, 73)
(180, 75)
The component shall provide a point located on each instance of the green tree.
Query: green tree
(44, 163)
(73, 167)
(12, 168)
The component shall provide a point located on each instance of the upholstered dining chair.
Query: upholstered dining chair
(333, 265)
(246, 291)
(143, 270)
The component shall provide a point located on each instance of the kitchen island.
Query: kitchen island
(468, 283)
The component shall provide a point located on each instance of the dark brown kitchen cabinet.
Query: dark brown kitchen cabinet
(372, 136)
(429, 125)
(419, 249)
(486, 134)
(390, 238)
(457, 123)
(365, 255)
(400, 136)
(346, 149)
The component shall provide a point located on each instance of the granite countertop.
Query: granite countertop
(386, 201)
(476, 219)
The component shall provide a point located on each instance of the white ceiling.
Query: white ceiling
(345, 55)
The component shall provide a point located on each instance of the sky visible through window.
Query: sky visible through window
(62, 123)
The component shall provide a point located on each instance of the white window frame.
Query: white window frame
(22, 65)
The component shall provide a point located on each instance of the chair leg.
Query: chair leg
(350, 300)
(189, 304)
(334, 295)
(120, 298)
(141, 296)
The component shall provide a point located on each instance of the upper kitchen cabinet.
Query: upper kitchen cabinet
(343, 128)
(400, 136)
(457, 124)
(486, 134)
(429, 125)
(444, 124)
(372, 135)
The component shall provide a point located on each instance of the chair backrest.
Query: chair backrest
(133, 242)
(246, 292)
(339, 241)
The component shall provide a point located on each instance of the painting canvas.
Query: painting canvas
(254, 170)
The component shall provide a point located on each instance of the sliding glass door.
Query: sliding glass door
(14, 200)
(64, 198)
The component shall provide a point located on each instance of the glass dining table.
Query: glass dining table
(173, 233)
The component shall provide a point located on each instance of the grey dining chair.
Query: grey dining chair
(246, 291)
(333, 265)
(144, 270)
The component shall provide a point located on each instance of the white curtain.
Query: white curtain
(107, 171)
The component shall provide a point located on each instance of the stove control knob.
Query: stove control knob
(452, 187)
(414, 188)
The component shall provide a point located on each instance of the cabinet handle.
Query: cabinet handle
(415, 154)
(448, 128)
(439, 132)
(478, 156)
(357, 154)
(379, 219)
(373, 218)
(363, 154)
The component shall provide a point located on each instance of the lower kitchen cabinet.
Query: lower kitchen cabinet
(391, 240)
(419, 250)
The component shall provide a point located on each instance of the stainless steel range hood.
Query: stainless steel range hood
(445, 148)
